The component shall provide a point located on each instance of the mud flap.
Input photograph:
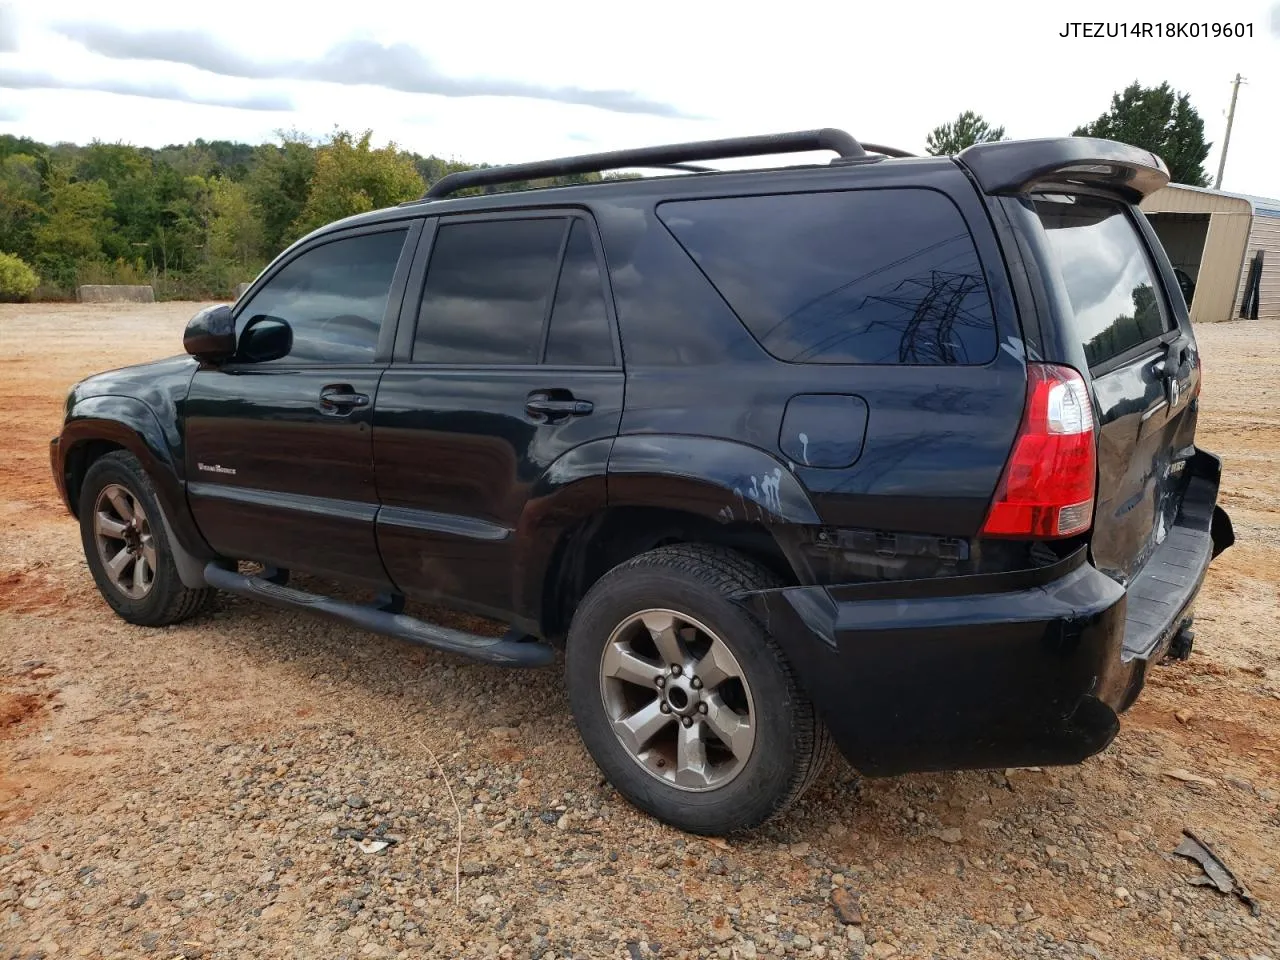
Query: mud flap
(1220, 531)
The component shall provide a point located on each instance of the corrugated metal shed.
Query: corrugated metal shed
(1235, 228)
(1177, 198)
(1264, 237)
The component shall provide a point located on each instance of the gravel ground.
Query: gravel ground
(259, 784)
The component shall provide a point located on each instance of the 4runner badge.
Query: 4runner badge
(215, 468)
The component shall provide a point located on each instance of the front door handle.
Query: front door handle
(540, 405)
(340, 399)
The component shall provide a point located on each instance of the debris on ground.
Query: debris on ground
(1217, 873)
(847, 906)
(1187, 777)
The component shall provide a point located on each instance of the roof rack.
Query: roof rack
(886, 151)
(828, 138)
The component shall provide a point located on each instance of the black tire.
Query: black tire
(790, 747)
(167, 600)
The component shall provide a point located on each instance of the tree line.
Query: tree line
(194, 220)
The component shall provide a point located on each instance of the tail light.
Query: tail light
(1047, 488)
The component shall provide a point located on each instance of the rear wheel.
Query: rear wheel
(127, 548)
(683, 698)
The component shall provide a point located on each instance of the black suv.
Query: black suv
(891, 452)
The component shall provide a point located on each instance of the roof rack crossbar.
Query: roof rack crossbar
(802, 141)
(686, 167)
(885, 151)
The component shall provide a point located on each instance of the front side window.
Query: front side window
(1106, 273)
(333, 296)
(855, 276)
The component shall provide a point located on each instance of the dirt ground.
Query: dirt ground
(202, 790)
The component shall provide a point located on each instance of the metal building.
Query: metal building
(1228, 244)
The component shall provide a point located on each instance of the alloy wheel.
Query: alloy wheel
(677, 699)
(125, 543)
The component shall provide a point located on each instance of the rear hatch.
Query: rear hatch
(1099, 295)
(1141, 359)
(1117, 316)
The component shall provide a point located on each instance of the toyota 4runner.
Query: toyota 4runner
(891, 452)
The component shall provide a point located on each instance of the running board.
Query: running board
(503, 650)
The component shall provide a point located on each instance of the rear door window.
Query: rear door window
(518, 291)
(855, 276)
(579, 332)
(488, 290)
(1106, 273)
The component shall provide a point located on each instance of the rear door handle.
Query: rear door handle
(542, 405)
(340, 399)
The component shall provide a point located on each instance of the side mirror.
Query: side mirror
(265, 338)
(210, 336)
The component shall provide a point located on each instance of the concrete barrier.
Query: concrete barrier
(115, 293)
(241, 288)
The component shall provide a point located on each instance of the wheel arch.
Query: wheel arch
(593, 546)
(658, 489)
(97, 426)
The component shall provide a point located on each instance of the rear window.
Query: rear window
(865, 276)
(1106, 273)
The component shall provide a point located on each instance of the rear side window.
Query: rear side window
(519, 291)
(866, 276)
(1106, 274)
(579, 331)
(488, 287)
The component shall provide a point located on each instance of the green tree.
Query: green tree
(111, 163)
(195, 218)
(433, 168)
(1159, 119)
(964, 131)
(351, 177)
(78, 219)
(235, 234)
(188, 219)
(17, 280)
(20, 196)
(278, 183)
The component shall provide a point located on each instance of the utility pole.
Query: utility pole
(1226, 139)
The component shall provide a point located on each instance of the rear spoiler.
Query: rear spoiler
(1018, 166)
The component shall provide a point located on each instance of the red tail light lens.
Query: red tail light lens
(1047, 488)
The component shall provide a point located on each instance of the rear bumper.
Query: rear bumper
(1020, 669)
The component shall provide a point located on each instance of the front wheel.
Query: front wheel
(126, 546)
(684, 699)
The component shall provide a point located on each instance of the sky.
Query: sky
(503, 82)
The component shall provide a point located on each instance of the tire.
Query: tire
(732, 789)
(116, 489)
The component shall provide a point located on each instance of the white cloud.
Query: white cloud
(353, 61)
(155, 89)
(885, 72)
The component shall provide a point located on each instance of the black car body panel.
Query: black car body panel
(858, 465)
(936, 436)
(139, 408)
(273, 477)
(1012, 669)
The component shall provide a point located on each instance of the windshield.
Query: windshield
(1101, 264)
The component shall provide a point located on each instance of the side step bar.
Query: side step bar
(503, 650)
